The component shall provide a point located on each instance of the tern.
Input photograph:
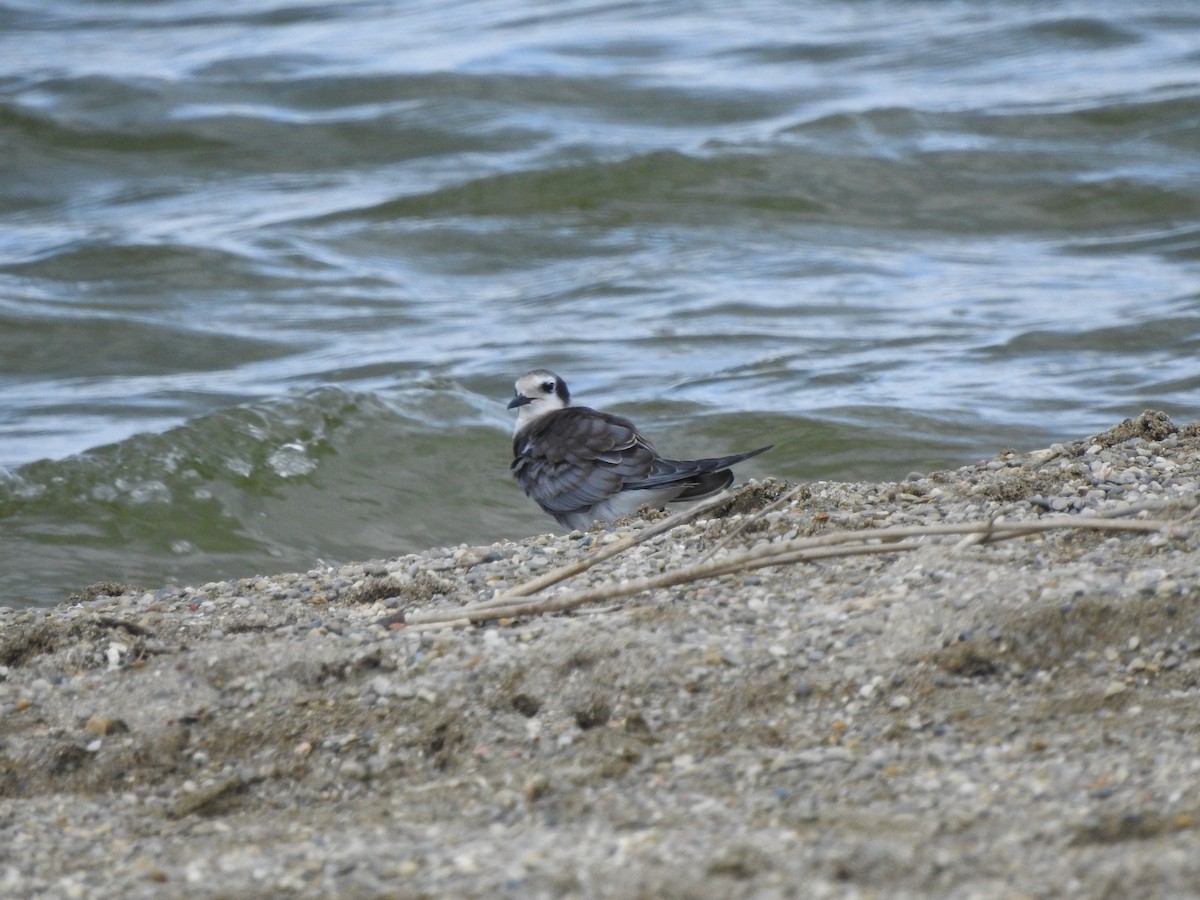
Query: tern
(581, 465)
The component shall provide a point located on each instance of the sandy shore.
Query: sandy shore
(1018, 718)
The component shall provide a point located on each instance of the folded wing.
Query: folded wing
(579, 457)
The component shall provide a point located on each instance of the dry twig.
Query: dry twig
(554, 576)
(835, 544)
(758, 514)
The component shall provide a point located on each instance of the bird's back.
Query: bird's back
(574, 458)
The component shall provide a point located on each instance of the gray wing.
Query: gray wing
(578, 457)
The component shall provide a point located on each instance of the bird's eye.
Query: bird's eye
(547, 387)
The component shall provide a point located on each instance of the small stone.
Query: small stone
(535, 787)
(114, 655)
(103, 726)
(408, 868)
(466, 864)
(1114, 688)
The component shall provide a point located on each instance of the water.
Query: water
(267, 270)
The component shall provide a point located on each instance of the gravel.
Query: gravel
(1007, 719)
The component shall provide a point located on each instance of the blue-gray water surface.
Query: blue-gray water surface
(268, 269)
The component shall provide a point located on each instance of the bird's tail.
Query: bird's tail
(704, 477)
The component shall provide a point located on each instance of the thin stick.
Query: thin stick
(440, 624)
(613, 590)
(554, 576)
(885, 540)
(758, 514)
(978, 537)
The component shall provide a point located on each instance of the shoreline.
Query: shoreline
(989, 719)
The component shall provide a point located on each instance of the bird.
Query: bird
(581, 465)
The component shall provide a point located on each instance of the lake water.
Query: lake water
(268, 270)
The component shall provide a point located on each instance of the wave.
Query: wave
(972, 188)
(266, 486)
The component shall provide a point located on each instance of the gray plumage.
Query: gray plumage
(581, 465)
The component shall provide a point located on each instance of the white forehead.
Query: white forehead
(530, 384)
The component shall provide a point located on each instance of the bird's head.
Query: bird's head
(536, 394)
